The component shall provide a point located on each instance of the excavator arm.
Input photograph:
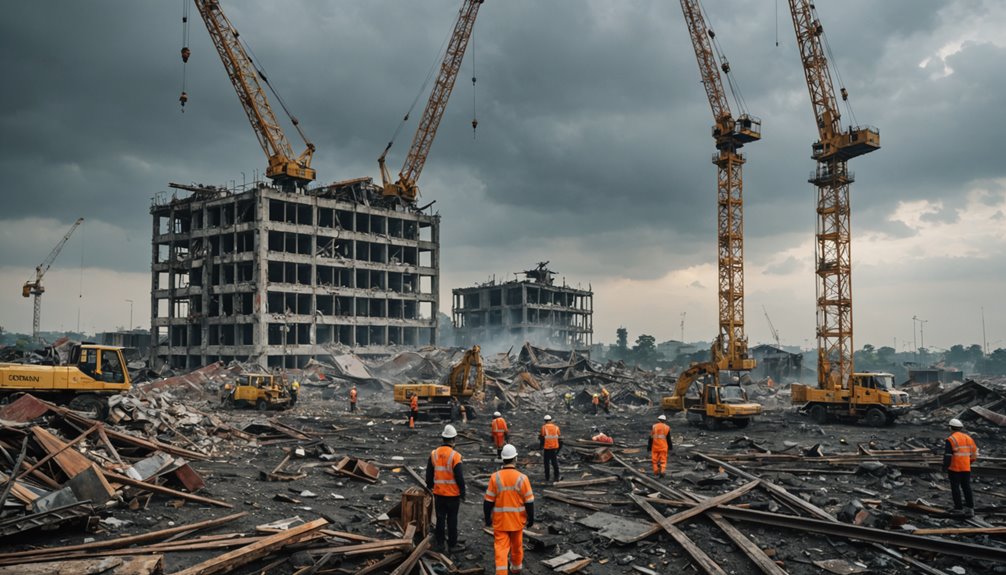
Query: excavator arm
(285, 169)
(462, 371)
(406, 185)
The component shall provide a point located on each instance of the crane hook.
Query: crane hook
(185, 54)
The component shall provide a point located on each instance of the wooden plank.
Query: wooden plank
(704, 561)
(574, 566)
(584, 482)
(70, 461)
(563, 559)
(410, 561)
(165, 490)
(233, 559)
(570, 501)
(380, 565)
(129, 565)
(710, 503)
(962, 531)
(364, 548)
(754, 553)
(57, 452)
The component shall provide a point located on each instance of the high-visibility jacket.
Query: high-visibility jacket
(444, 458)
(658, 436)
(964, 451)
(510, 491)
(596, 400)
(414, 404)
(499, 431)
(550, 433)
(352, 396)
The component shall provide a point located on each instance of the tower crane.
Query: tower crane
(34, 287)
(405, 186)
(771, 327)
(284, 168)
(841, 392)
(717, 403)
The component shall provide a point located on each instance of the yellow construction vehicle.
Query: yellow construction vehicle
(718, 402)
(465, 386)
(869, 396)
(93, 373)
(406, 186)
(261, 391)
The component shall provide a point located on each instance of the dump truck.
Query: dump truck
(868, 396)
(93, 373)
(261, 391)
(465, 386)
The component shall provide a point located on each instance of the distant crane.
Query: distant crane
(405, 187)
(775, 334)
(34, 287)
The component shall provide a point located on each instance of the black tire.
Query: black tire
(819, 414)
(262, 405)
(713, 424)
(741, 423)
(92, 406)
(875, 417)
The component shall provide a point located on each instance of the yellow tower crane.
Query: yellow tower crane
(34, 287)
(840, 393)
(406, 186)
(286, 170)
(719, 400)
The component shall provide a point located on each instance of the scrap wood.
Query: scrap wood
(377, 546)
(704, 561)
(11, 480)
(753, 551)
(149, 444)
(711, 502)
(571, 501)
(59, 451)
(129, 565)
(174, 547)
(962, 531)
(996, 418)
(120, 542)
(244, 555)
(20, 491)
(380, 565)
(165, 490)
(70, 461)
(410, 561)
(584, 482)
(50, 517)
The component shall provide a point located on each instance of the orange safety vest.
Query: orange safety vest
(659, 436)
(550, 432)
(352, 396)
(965, 451)
(444, 459)
(595, 400)
(499, 431)
(414, 404)
(509, 489)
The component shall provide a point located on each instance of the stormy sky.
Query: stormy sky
(593, 150)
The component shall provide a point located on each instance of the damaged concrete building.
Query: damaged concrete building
(534, 309)
(273, 277)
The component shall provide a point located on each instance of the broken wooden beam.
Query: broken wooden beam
(410, 561)
(233, 559)
(165, 490)
(705, 562)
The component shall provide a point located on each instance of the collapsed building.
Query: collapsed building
(534, 309)
(274, 277)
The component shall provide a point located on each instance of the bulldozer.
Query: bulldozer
(93, 373)
(259, 390)
(465, 386)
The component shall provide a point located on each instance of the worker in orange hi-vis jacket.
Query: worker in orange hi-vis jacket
(508, 508)
(550, 441)
(352, 399)
(659, 444)
(500, 432)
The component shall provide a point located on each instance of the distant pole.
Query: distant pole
(915, 343)
(922, 336)
(130, 326)
(683, 326)
(985, 340)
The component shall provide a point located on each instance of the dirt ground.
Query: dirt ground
(378, 433)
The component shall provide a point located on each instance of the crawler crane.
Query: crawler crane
(841, 393)
(721, 400)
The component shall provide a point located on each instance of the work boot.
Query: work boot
(969, 511)
(957, 512)
(456, 548)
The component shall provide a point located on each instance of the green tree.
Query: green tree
(645, 350)
(621, 350)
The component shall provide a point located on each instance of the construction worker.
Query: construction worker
(413, 409)
(226, 392)
(659, 444)
(567, 399)
(550, 441)
(600, 436)
(352, 399)
(960, 452)
(445, 478)
(606, 400)
(294, 391)
(508, 508)
(500, 432)
(595, 401)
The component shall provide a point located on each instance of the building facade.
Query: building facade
(277, 278)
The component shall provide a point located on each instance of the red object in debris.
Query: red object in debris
(602, 438)
(25, 408)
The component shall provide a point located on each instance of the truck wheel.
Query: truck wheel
(713, 424)
(91, 406)
(741, 423)
(875, 417)
(819, 414)
(262, 405)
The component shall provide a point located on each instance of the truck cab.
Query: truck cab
(870, 396)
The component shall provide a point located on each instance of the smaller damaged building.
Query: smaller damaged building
(776, 363)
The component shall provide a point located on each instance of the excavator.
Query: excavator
(405, 187)
(286, 170)
(465, 386)
(841, 393)
(721, 397)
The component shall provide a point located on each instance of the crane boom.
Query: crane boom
(833, 257)
(34, 287)
(286, 170)
(406, 185)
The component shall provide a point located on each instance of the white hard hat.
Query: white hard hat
(497, 414)
(449, 432)
(662, 417)
(508, 452)
(956, 423)
(548, 418)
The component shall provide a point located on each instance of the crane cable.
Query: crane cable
(834, 65)
(475, 121)
(735, 89)
(282, 104)
(185, 52)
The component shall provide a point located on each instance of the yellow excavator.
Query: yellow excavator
(717, 401)
(465, 387)
(93, 373)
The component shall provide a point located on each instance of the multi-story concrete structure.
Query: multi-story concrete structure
(276, 277)
(533, 309)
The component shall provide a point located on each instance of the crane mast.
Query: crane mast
(835, 146)
(406, 185)
(730, 350)
(284, 169)
(34, 287)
